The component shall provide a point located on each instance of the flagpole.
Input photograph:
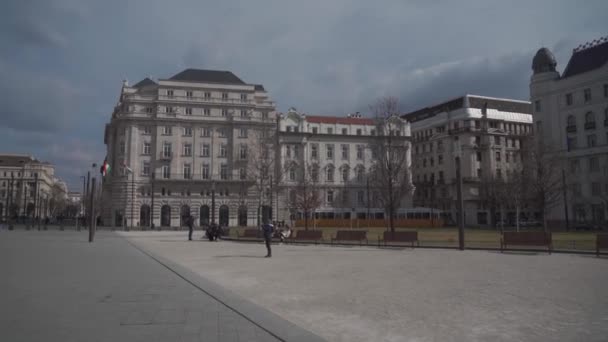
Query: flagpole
(132, 196)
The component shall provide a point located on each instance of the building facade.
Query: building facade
(179, 146)
(333, 156)
(486, 133)
(571, 119)
(27, 186)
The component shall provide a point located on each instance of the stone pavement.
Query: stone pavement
(55, 286)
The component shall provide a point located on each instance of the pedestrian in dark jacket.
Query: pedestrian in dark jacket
(268, 231)
(190, 224)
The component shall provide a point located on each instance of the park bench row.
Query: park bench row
(536, 239)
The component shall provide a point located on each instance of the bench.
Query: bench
(351, 235)
(411, 237)
(251, 233)
(601, 242)
(307, 235)
(526, 239)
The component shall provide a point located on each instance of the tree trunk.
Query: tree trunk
(517, 217)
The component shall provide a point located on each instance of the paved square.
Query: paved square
(371, 294)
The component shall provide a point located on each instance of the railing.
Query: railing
(571, 128)
(203, 99)
(590, 125)
(166, 156)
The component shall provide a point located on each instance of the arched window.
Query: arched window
(589, 117)
(330, 173)
(345, 173)
(360, 173)
(571, 120)
(242, 216)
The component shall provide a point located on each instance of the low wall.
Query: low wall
(371, 223)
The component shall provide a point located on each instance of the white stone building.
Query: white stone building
(185, 139)
(336, 152)
(488, 145)
(26, 186)
(571, 119)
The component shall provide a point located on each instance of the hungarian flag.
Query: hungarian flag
(105, 167)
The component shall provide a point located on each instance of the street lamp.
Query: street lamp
(213, 202)
(457, 155)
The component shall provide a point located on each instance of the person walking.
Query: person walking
(268, 231)
(190, 224)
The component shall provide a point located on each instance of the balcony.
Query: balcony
(165, 156)
(202, 99)
(589, 125)
(571, 128)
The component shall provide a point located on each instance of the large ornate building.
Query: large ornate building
(27, 186)
(179, 146)
(486, 133)
(571, 119)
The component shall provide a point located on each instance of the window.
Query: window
(479, 173)
(596, 189)
(223, 150)
(187, 150)
(314, 173)
(589, 120)
(166, 170)
(169, 109)
(170, 93)
(205, 171)
(288, 151)
(147, 130)
(330, 196)
(243, 133)
(345, 152)
(189, 93)
(587, 95)
(224, 112)
(206, 112)
(167, 130)
(205, 150)
(439, 160)
(373, 132)
(359, 152)
(149, 110)
(330, 130)
(507, 157)
(187, 131)
(224, 96)
(569, 99)
(122, 147)
(264, 115)
(296, 129)
(591, 140)
(145, 170)
(344, 131)
(594, 165)
(207, 95)
(478, 156)
(146, 150)
(576, 189)
(314, 153)
(441, 175)
(288, 128)
(243, 113)
(242, 173)
(345, 174)
(496, 140)
(360, 197)
(499, 173)
(224, 172)
(166, 150)
(330, 173)
(221, 132)
(188, 111)
(359, 132)
(187, 172)
(477, 141)
(360, 174)
(572, 143)
(537, 106)
(432, 162)
(243, 97)
(575, 166)
(296, 151)
(497, 156)
(330, 151)
(314, 130)
(243, 152)
(292, 173)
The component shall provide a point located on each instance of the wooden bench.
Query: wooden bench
(351, 235)
(526, 239)
(601, 242)
(251, 233)
(411, 237)
(307, 235)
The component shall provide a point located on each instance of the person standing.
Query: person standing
(190, 224)
(268, 231)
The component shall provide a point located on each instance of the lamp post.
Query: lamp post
(457, 154)
(132, 198)
(84, 198)
(212, 202)
(152, 202)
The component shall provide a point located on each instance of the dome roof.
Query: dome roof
(543, 61)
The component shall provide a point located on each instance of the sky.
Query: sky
(62, 62)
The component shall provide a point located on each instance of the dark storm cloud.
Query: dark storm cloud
(62, 61)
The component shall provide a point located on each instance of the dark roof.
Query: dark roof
(543, 61)
(339, 120)
(259, 87)
(16, 160)
(207, 76)
(471, 102)
(145, 82)
(587, 59)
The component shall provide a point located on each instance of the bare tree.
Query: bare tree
(57, 200)
(262, 164)
(542, 177)
(491, 193)
(307, 198)
(390, 173)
